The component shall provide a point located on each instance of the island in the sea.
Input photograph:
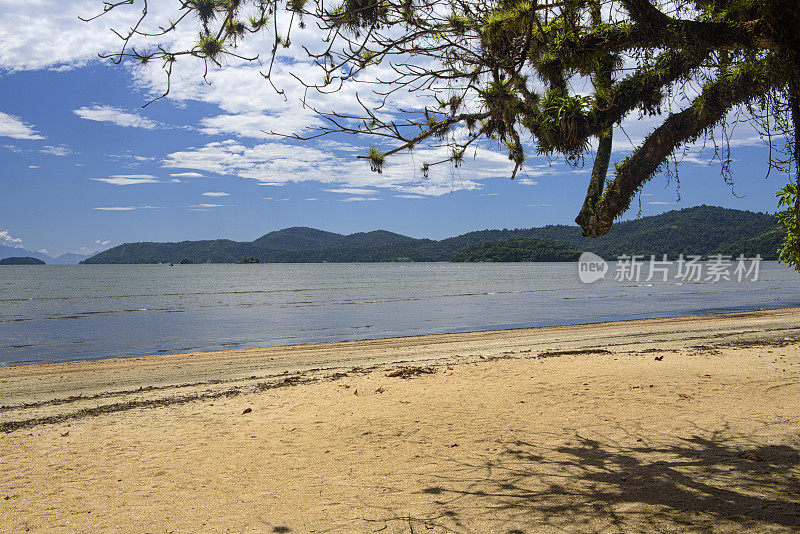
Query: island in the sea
(21, 260)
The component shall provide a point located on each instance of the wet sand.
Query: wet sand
(680, 424)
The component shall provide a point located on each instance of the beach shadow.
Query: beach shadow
(696, 484)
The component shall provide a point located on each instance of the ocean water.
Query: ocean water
(64, 313)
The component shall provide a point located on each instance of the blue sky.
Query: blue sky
(84, 167)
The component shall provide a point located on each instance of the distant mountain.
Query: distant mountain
(290, 245)
(14, 252)
(21, 260)
(64, 259)
(299, 238)
(70, 258)
(698, 230)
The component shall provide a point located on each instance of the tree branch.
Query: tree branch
(707, 110)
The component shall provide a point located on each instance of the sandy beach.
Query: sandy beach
(660, 425)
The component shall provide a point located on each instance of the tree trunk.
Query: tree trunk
(587, 218)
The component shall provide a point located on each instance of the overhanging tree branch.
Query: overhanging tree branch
(707, 110)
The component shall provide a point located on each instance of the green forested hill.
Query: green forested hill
(290, 245)
(299, 239)
(765, 243)
(21, 260)
(698, 230)
(523, 249)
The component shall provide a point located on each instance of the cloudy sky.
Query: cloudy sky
(84, 167)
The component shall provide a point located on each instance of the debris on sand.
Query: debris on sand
(573, 352)
(411, 372)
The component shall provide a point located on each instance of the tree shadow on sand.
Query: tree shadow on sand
(698, 484)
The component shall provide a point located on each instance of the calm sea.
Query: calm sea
(63, 313)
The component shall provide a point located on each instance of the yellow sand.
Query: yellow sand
(503, 436)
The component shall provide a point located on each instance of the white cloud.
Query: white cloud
(42, 251)
(125, 208)
(250, 108)
(658, 203)
(134, 157)
(434, 189)
(258, 124)
(352, 191)
(329, 144)
(39, 34)
(268, 162)
(527, 181)
(206, 206)
(116, 116)
(276, 163)
(129, 179)
(33, 166)
(59, 150)
(359, 199)
(216, 194)
(8, 239)
(13, 127)
(410, 196)
(187, 175)
(102, 242)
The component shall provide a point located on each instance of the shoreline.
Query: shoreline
(211, 353)
(47, 393)
(680, 425)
